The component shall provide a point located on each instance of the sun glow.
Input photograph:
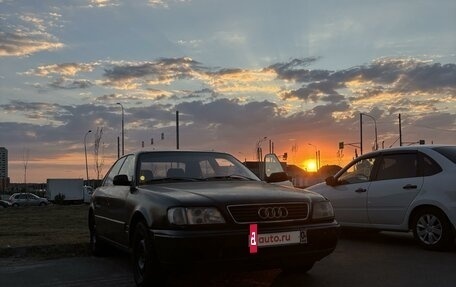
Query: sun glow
(309, 165)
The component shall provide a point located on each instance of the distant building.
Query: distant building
(3, 162)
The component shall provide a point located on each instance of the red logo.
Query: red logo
(253, 244)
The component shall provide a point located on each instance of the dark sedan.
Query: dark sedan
(206, 209)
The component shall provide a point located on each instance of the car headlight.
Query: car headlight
(322, 210)
(194, 215)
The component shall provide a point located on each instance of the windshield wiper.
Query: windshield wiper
(229, 177)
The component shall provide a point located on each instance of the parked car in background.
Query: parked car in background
(27, 199)
(88, 191)
(4, 204)
(401, 189)
(182, 209)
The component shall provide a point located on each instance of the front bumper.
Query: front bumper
(230, 248)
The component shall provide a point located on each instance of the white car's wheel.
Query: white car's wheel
(432, 229)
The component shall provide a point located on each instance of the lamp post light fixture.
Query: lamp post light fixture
(375, 127)
(85, 151)
(123, 135)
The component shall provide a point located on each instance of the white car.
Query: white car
(399, 189)
(27, 199)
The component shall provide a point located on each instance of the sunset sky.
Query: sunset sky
(297, 72)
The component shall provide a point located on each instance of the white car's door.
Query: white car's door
(349, 194)
(349, 202)
(396, 184)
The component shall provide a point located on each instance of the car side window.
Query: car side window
(128, 167)
(108, 181)
(358, 172)
(396, 166)
(428, 166)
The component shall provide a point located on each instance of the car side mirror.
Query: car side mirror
(331, 181)
(122, 180)
(277, 177)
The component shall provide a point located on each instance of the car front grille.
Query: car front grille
(269, 212)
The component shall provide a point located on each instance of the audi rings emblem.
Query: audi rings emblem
(273, 212)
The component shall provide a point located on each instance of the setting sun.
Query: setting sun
(309, 165)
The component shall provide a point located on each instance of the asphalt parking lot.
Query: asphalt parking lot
(360, 259)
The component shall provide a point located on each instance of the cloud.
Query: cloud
(165, 3)
(394, 85)
(294, 70)
(102, 3)
(68, 84)
(27, 34)
(324, 90)
(65, 69)
(162, 71)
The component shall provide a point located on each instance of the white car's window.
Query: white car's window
(429, 166)
(398, 166)
(359, 172)
(449, 152)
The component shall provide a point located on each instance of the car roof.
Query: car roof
(408, 148)
(177, 151)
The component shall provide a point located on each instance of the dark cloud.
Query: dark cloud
(324, 90)
(294, 70)
(162, 70)
(66, 84)
(404, 75)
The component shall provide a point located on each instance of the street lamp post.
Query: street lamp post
(258, 148)
(123, 135)
(85, 151)
(375, 127)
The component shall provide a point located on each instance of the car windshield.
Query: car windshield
(159, 167)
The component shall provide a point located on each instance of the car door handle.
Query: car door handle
(410, 186)
(359, 190)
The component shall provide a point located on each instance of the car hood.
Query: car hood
(231, 192)
(320, 188)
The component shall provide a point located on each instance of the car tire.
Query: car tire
(432, 229)
(15, 205)
(42, 203)
(299, 268)
(97, 247)
(146, 267)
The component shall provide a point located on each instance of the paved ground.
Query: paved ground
(378, 259)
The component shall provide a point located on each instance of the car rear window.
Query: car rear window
(447, 151)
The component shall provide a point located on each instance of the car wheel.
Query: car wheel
(97, 246)
(146, 268)
(432, 229)
(298, 268)
(42, 203)
(15, 205)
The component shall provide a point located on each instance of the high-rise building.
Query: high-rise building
(3, 162)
